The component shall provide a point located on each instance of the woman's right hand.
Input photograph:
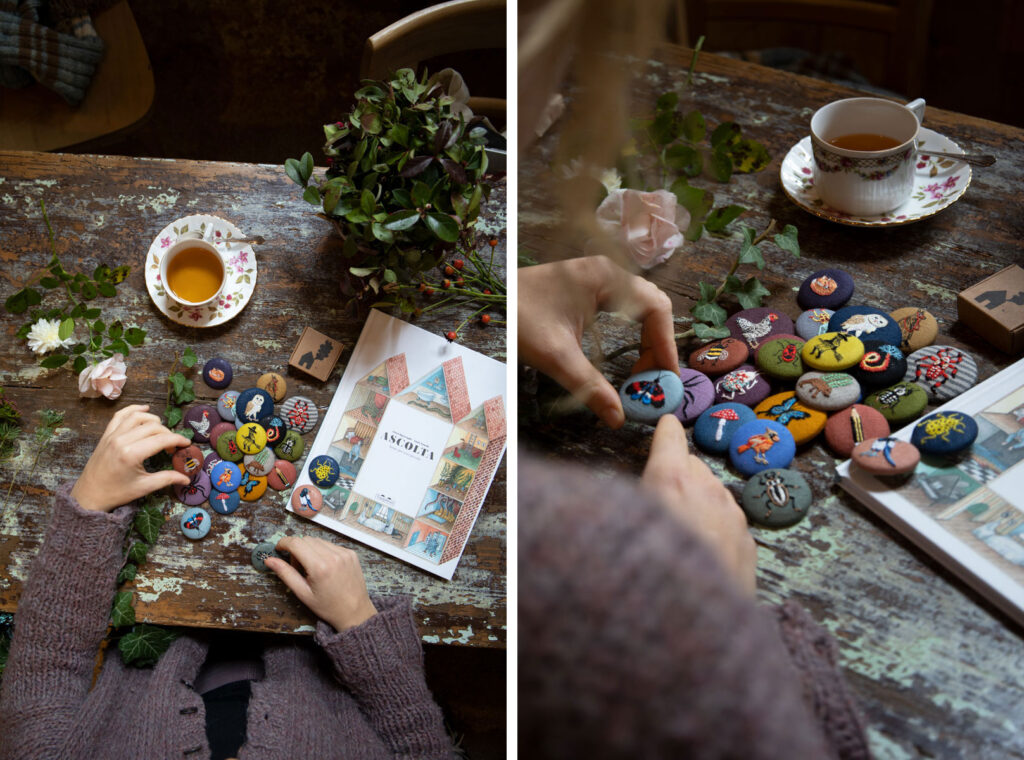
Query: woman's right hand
(697, 498)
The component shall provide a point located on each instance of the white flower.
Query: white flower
(105, 378)
(648, 225)
(611, 179)
(45, 336)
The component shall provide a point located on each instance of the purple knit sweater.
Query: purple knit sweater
(634, 642)
(357, 694)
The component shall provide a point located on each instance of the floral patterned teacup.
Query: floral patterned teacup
(193, 272)
(865, 182)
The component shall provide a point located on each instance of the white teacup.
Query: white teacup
(193, 277)
(865, 182)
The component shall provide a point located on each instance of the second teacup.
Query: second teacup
(864, 153)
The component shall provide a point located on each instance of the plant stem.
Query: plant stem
(636, 346)
(693, 60)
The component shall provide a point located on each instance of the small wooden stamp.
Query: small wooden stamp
(994, 308)
(315, 354)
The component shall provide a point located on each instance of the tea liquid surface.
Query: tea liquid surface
(864, 141)
(195, 274)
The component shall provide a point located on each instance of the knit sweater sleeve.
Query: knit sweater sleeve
(634, 642)
(60, 622)
(381, 663)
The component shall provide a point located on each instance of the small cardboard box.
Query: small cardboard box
(994, 308)
(315, 354)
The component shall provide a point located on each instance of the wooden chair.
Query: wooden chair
(119, 98)
(886, 39)
(452, 27)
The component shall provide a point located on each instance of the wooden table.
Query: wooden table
(109, 209)
(937, 669)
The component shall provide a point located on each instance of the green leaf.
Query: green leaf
(665, 128)
(306, 166)
(147, 522)
(98, 326)
(143, 645)
(694, 127)
(187, 393)
(720, 218)
(80, 363)
(117, 346)
(50, 282)
(750, 253)
(362, 271)
(443, 226)
(331, 198)
(749, 156)
(685, 159)
(177, 381)
(106, 289)
(787, 240)
(89, 291)
(294, 171)
(20, 301)
(733, 284)
(135, 336)
(382, 233)
(311, 195)
(721, 165)
(752, 293)
(91, 313)
(137, 552)
(707, 292)
(420, 194)
(174, 415)
(390, 276)
(667, 102)
(52, 362)
(127, 573)
(121, 613)
(705, 333)
(402, 220)
(725, 134)
(709, 312)
(116, 329)
(67, 326)
(367, 202)
(189, 358)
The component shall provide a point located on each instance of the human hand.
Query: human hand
(692, 493)
(114, 474)
(558, 301)
(333, 587)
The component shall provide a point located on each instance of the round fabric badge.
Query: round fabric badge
(813, 322)
(761, 445)
(273, 384)
(226, 405)
(251, 437)
(261, 553)
(282, 475)
(649, 394)
(275, 428)
(866, 323)
(943, 371)
(196, 492)
(917, 326)
(217, 373)
(252, 487)
(307, 500)
(211, 461)
(802, 421)
(744, 385)
(899, 403)
(886, 456)
(827, 391)
(220, 429)
(847, 428)
(719, 357)
(227, 447)
(714, 428)
(261, 463)
(188, 460)
(832, 351)
(195, 523)
(299, 413)
(776, 498)
(755, 326)
(291, 446)
(200, 420)
(944, 433)
(323, 471)
(698, 394)
(252, 405)
(780, 358)
(882, 365)
(226, 476)
(825, 289)
(224, 503)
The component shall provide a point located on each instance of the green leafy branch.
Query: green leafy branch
(49, 421)
(78, 290)
(180, 390)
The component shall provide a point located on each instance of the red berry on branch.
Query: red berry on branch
(460, 282)
(485, 318)
(446, 284)
(423, 286)
(487, 291)
(451, 336)
(492, 242)
(458, 263)
(449, 270)
(429, 291)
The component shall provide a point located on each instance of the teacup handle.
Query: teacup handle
(197, 235)
(917, 108)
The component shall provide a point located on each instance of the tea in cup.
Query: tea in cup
(864, 153)
(192, 272)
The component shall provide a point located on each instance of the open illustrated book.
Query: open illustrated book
(418, 427)
(967, 513)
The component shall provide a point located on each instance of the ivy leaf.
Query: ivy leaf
(147, 522)
(442, 225)
(720, 218)
(137, 552)
(67, 326)
(733, 284)
(752, 293)
(122, 613)
(709, 312)
(177, 381)
(694, 126)
(143, 645)
(174, 415)
(189, 358)
(294, 171)
(787, 240)
(706, 333)
(127, 573)
(750, 253)
(54, 361)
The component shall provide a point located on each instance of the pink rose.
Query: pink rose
(649, 225)
(105, 378)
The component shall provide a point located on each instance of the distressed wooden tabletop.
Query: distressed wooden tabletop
(109, 209)
(939, 672)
